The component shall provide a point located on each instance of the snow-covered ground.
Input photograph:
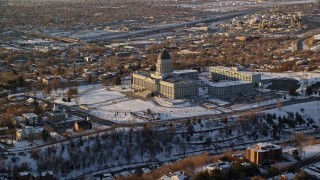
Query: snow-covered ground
(300, 76)
(106, 103)
(100, 95)
(313, 170)
(254, 105)
(308, 151)
(19, 145)
(307, 110)
(305, 78)
(237, 137)
(218, 101)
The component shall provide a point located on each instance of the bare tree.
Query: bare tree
(55, 85)
(279, 105)
(47, 89)
(299, 142)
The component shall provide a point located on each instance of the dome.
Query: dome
(164, 54)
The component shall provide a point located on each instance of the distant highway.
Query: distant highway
(172, 26)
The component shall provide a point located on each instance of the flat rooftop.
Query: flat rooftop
(184, 71)
(264, 147)
(227, 83)
(234, 69)
(143, 73)
(177, 80)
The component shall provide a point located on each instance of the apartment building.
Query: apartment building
(263, 153)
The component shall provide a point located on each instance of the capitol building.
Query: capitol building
(165, 82)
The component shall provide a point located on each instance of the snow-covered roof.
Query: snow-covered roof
(218, 165)
(227, 83)
(24, 173)
(50, 173)
(19, 118)
(35, 41)
(30, 115)
(178, 175)
(27, 130)
(265, 147)
(184, 71)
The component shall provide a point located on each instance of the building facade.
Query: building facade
(230, 88)
(83, 125)
(30, 118)
(228, 82)
(263, 153)
(165, 82)
(232, 74)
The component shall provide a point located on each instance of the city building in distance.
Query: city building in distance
(231, 82)
(165, 81)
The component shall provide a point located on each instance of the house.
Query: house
(17, 97)
(51, 79)
(222, 166)
(47, 175)
(23, 175)
(26, 133)
(30, 118)
(106, 176)
(56, 115)
(82, 125)
(91, 59)
(178, 175)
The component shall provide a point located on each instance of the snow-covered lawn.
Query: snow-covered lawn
(106, 103)
(20, 145)
(137, 105)
(100, 95)
(307, 110)
(311, 76)
(255, 105)
(308, 151)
